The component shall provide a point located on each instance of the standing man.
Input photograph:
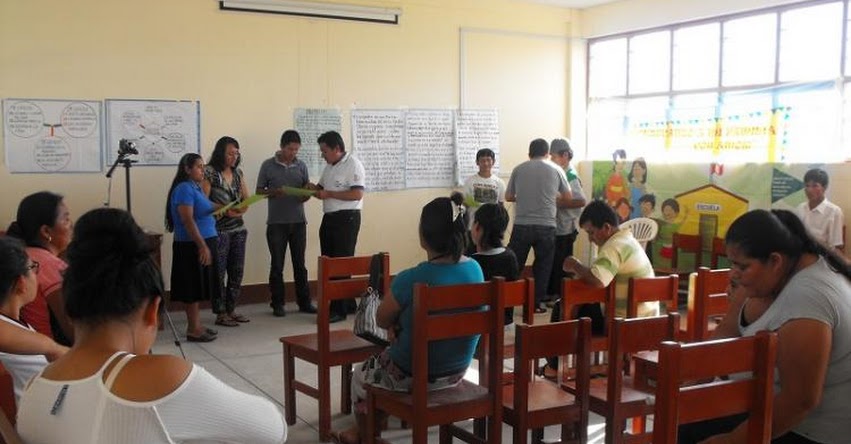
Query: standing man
(568, 211)
(536, 185)
(482, 187)
(341, 190)
(285, 223)
(823, 219)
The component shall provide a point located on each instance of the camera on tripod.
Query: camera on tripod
(126, 148)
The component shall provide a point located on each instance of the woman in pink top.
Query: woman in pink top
(44, 224)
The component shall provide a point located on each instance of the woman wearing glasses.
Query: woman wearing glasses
(23, 351)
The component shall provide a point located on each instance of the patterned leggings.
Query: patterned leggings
(231, 251)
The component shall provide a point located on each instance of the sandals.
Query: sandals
(239, 318)
(226, 321)
(203, 337)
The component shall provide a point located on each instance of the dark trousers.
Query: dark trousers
(278, 236)
(563, 249)
(698, 431)
(231, 266)
(338, 236)
(593, 311)
(542, 239)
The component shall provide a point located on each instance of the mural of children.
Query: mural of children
(647, 204)
(670, 224)
(637, 185)
(623, 209)
(616, 185)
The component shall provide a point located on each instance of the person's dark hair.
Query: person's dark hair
(442, 226)
(217, 159)
(186, 162)
(485, 152)
(493, 221)
(818, 176)
(111, 272)
(599, 213)
(290, 136)
(618, 153)
(538, 148)
(671, 202)
(640, 162)
(333, 140)
(560, 146)
(649, 198)
(758, 233)
(13, 264)
(35, 211)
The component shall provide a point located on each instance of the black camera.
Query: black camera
(126, 147)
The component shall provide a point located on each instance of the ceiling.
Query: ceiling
(576, 4)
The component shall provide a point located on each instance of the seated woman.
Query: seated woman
(790, 284)
(487, 232)
(101, 391)
(44, 224)
(443, 237)
(23, 351)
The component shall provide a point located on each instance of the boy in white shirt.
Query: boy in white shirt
(823, 219)
(482, 187)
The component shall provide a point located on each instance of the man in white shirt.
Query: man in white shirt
(823, 219)
(482, 187)
(341, 190)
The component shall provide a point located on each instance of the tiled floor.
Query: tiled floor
(248, 357)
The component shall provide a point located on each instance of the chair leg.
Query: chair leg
(346, 389)
(480, 427)
(324, 384)
(537, 436)
(445, 435)
(614, 429)
(420, 434)
(289, 391)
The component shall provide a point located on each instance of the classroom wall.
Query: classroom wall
(250, 71)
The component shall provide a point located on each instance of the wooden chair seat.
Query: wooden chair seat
(343, 346)
(543, 395)
(462, 396)
(630, 396)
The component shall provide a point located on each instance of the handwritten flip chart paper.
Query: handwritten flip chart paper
(474, 129)
(378, 142)
(310, 124)
(430, 149)
(163, 130)
(52, 136)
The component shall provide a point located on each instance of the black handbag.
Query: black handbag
(366, 325)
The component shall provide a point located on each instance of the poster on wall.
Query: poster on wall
(52, 136)
(162, 130)
(700, 199)
(378, 141)
(310, 124)
(430, 149)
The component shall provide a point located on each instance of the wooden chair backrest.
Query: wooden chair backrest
(519, 293)
(552, 339)
(342, 278)
(678, 364)
(687, 243)
(574, 292)
(709, 299)
(719, 249)
(630, 336)
(660, 288)
(454, 311)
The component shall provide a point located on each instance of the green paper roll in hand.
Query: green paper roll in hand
(299, 192)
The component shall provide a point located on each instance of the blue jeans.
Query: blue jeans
(542, 239)
(278, 236)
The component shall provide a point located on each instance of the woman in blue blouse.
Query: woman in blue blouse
(194, 266)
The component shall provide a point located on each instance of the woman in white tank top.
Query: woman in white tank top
(100, 391)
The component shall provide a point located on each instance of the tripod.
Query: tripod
(124, 159)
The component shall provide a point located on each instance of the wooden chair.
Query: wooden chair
(719, 249)
(707, 301)
(681, 364)
(662, 289)
(532, 403)
(683, 243)
(442, 313)
(574, 293)
(519, 293)
(619, 396)
(339, 278)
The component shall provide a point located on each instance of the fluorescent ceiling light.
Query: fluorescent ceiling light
(315, 9)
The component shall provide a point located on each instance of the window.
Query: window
(649, 62)
(696, 56)
(607, 60)
(810, 43)
(749, 50)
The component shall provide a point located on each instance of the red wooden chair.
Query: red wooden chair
(339, 278)
(683, 243)
(678, 401)
(707, 302)
(575, 293)
(719, 249)
(442, 313)
(519, 293)
(662, 289)
(532, 403)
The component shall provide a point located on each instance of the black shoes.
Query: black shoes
(336, 317)
(278, 311)
(309, 309)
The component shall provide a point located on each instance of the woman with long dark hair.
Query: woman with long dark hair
(108, 388)
(792, 285)
(194, 264)
(443, 236)
(225, 184)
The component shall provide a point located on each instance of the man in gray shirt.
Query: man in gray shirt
(286, 223)
(535, 185)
